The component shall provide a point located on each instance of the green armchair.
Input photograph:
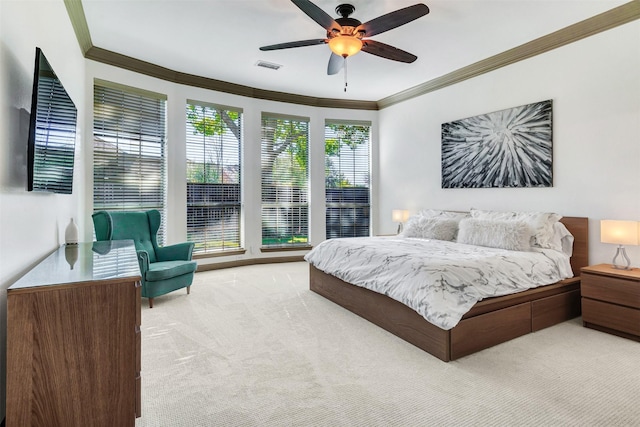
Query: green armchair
(163, 269)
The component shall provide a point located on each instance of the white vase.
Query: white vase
(71, 233)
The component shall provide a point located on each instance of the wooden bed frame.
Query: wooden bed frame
(489, 322)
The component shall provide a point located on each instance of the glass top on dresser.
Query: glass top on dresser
(106, 260)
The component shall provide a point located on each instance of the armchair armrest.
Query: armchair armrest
(179, 251)
(143, 260)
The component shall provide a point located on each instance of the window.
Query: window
(347, 179)
(129, 135)
(213, 177)
(285, 181)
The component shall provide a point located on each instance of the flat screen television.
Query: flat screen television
(52, 132)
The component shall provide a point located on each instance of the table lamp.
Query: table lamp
(399, 216)
(619, 233)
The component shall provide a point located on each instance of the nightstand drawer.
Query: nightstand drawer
(611, 289)
(611, 316)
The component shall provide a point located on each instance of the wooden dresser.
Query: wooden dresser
(73, 339)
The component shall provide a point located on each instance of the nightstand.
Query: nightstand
(611, 300)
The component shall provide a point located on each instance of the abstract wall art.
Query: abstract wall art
(507, 148)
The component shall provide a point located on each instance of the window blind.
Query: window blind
(347, 179)
(285, 181)
(129, 131)
(214, 143)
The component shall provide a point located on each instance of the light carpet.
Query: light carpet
(252, 346)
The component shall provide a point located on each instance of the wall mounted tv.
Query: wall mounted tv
(52, 132)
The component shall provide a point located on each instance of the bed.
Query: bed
(489, 322)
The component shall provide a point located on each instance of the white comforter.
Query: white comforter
(440, 280)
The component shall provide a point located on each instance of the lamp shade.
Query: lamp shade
(619, 232)
(345, 45)
(399, 215)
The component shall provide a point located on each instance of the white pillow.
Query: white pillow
(436, 213)
(562, 239)
(431, 228)
(511, 235)
(540, 222)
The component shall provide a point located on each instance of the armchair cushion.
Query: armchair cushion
(163, 270)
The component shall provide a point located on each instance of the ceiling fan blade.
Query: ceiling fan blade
(336, 62)
(288, 45)
(317, 14)
(387, 51)
(393, 19)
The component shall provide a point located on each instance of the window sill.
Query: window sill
(286, 248)
(219, 254)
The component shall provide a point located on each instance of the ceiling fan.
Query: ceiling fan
(347, 36)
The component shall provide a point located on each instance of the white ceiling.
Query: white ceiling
(219, 39)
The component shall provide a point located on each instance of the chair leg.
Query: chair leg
(188, 290)
(150, 302)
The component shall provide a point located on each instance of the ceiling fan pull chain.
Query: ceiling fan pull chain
(345, 73)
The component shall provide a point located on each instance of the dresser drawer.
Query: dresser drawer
(138, 354)
(138, 303)
(138, 350)
(612, 316)
(611, 289)
(138, 397)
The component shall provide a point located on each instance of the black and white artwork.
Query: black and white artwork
(507, 148)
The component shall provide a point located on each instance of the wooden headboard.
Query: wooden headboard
(579, 227)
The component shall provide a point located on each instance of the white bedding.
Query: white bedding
(440, 280)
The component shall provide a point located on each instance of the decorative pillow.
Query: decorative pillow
(436, 213)
(431, 228)
(540, 222)
(511, 235)
(562, 239)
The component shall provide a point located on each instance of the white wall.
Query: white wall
(596, 101)
(177, 96)
(32, 224)
(595, 88)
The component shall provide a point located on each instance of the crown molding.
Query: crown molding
(132, 64)
(620, 15)
(79, 23)
(605, 21)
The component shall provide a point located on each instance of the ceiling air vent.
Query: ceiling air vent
(269, 65)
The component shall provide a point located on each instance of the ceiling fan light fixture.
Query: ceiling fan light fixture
(345, 45)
